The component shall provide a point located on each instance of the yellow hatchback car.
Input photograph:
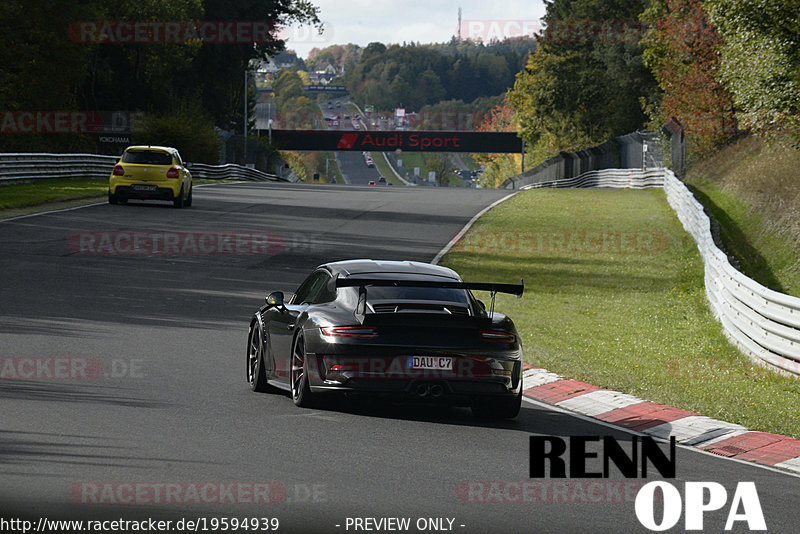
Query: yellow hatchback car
(150, 172)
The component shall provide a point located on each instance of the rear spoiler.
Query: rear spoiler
(362, 283)
(511, 289)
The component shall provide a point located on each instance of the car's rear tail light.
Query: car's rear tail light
(360, 332)
(118, 170)
(498, 336)
(345, 367)
(172, 173)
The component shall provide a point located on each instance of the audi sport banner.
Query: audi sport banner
(408, 141)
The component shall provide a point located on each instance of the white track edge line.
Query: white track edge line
(436, 259)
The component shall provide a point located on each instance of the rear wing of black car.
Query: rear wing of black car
(511, 289)
(363, 283)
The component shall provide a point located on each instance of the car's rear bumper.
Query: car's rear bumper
(153, 193)
(162, 189)
(391, 376)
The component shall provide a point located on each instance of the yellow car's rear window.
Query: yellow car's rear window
(147, 157)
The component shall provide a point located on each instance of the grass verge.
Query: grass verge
(751, 189)
(30, 197)
(385, 170)
(20, 195)
(615, 297)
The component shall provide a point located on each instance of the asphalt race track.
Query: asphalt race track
(157, 397)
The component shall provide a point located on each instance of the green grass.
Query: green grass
(43, 192)
(751, 189)
(384, 168)
(415, 159)
(333, 164)
(628, 313)
(20, 195)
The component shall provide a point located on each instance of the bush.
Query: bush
(190, 131)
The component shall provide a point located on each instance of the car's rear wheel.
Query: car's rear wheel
(179, 201)
(189, 199)
(112, 199)
(301, 392)
(256, 376)
(503, 408)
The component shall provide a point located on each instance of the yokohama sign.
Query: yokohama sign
(407, 141)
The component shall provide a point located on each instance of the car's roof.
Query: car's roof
(155, 148)
(363, 267)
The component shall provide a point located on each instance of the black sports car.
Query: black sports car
(401, 329)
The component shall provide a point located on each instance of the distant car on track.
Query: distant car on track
(371, 182)
(381, 180)
(150, 173)
(398, 329)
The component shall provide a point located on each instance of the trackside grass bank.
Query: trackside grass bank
(751, 189)
(614, 296)
(41, 195)
(20, 195)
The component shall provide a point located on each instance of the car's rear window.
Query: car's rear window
(417, 294)
(147, 157)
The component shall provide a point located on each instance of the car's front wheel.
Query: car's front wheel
(256, 376)
(301, 392)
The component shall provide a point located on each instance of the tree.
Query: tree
(760, 62)
(498, 167)
(584, 82)
(40, 67)
(682, 50)
(43, 66)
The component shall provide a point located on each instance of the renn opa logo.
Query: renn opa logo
(547, 457)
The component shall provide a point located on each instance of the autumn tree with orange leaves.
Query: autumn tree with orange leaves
(683, 52)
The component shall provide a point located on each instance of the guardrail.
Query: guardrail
(637, 150)
(23, 167)
(37, 166)
(762, 323)
(230, 171)
(614, 178)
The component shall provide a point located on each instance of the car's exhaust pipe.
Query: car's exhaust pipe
(423, 390)
(436, 391)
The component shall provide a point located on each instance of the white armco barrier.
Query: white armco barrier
(26, 167)
(762, 323)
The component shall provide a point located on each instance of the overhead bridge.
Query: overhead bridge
(389, 141)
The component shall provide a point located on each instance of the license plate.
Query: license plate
(144, 188)
(440, 363)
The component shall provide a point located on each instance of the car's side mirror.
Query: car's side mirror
(275, 299)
